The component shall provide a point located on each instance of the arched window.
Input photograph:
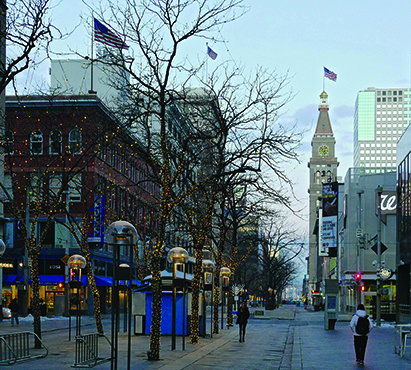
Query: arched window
(317, 177)
(36, 142)
(75, 141)
(9, 142)
(55, 141)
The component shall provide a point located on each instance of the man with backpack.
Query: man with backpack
(360, 325)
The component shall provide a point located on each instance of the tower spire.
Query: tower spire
(323, 123)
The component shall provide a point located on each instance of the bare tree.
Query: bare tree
(158, 29)
(28, 34)
(280, 251)
(244, 133)
(38, 177)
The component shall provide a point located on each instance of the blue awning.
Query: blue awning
(55, 279)
(103, 280)
(10, 279)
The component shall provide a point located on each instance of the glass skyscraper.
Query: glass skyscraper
(381, 116)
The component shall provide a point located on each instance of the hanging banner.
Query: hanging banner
(330, 216)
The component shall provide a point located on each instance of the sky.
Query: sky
(366, 43)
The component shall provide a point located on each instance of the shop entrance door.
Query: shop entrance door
(368, 298)
(49, 303)
(53, 302)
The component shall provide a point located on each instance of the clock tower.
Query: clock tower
(323, 166)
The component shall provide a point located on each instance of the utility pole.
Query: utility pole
(26, 260)
(358, 287)
(378, 301)
(67, 251)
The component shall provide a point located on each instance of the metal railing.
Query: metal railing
(404, 309)
(87, 351)
(15, 347)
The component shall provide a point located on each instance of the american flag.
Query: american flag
(330, 74)
(211, 53)
(105, 36)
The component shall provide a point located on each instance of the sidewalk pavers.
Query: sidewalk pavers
(292, 338)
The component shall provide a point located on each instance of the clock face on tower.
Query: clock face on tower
(323, 150)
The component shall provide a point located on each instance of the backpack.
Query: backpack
(363, 325)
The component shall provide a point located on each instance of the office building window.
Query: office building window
(55, 185)
(75, 141)
(36, 142)
(384, 99)
(9, 142)
(378, 100)
(55, 141)
(394, 93)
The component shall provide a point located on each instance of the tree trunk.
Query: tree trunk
(216, 299)
(35, 302)
(96, 299)
(155, 333)
(230, 301)
(195, 289)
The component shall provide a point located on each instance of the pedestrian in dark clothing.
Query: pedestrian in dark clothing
(360, 334)
(14, 308)
(242, 318)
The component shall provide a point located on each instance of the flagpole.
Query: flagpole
(91, 91)
(206, 63)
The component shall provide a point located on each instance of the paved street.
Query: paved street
(292, 338)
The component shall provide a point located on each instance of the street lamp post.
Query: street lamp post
(125, 267)
(225, 273)
(119, 233)
(208, 280)
(77, 263)
(378, 302)
(2, 250)
(177, 256)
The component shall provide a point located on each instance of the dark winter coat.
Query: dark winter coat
(14, 306)
(243, 314)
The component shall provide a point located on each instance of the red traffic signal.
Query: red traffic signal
(358, 276)
(363, 288)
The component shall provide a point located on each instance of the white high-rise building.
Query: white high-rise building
(381, 116)
(77, 77)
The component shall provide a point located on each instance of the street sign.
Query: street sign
(375, 248)
(65, 259)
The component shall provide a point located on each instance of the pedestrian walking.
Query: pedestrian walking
(14, 308)
(360, 325)
(242, 318)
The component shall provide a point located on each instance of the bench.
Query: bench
(401, 331)
(15, 347)
(86, 350)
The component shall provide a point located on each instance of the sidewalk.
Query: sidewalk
(292, 338)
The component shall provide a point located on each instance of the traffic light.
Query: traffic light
(363, 288)
(60, 285)
(358, 276)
